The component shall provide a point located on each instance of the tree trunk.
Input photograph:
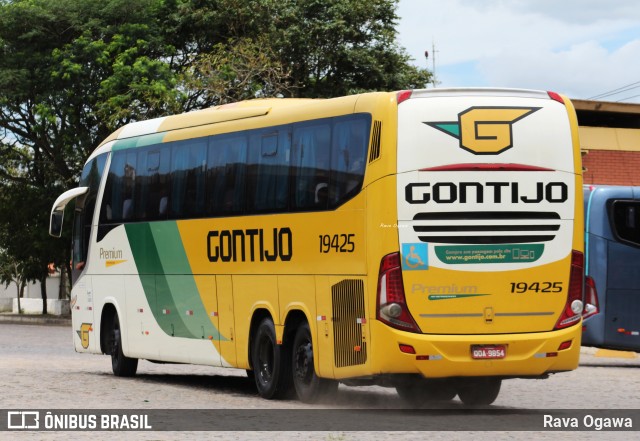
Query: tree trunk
(20, 289)
(62, 287)
(43, 291)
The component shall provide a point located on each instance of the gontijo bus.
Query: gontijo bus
(426, 240)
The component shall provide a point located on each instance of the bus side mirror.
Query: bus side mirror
(57, 211)
(55, 224)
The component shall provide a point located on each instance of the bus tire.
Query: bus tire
(309, 387)
(423, 392)
(270, 362)
(479, 391)
(121, 365)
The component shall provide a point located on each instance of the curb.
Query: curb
(29, 319)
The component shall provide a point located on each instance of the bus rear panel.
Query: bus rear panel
(487, 280)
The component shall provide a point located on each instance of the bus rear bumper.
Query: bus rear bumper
(439, 356)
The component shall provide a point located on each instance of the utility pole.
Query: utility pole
(434, 81)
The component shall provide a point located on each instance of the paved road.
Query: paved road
(39, 369)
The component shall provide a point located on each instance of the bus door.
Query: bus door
(82, 296)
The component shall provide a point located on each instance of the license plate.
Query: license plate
(484, 352)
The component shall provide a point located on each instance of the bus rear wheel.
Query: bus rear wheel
(479, 391)
(121, 365)
(270, 362)
(309, 387)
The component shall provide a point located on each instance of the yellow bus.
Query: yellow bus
(429, 241)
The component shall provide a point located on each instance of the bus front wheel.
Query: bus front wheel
(121, 365)
(270, 362)
(309, 387)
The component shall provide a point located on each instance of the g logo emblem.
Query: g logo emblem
(484, 130)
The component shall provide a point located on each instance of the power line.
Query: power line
(628, 98)
(617, 91)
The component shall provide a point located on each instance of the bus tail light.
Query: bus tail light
(403, 95)
(572, 311)
(391, 303)
(591, 305)
(556, 97)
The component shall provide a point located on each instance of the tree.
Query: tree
(26, 245)
(10, 272)
(73, 71)
(70, 72)
(326, 47)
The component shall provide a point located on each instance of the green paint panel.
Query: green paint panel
(167, 281)
(144, 249)
(138, 141)
(173, 258)
(168, 315)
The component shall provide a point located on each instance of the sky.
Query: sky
(581, 48)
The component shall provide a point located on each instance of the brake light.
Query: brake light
(572, 312)
(403, 95)
(556, 97)
(591, 305)
(391, 302)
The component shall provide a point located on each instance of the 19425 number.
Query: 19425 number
(522, 287)
(338, 243)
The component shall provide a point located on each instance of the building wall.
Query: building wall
(608, 167)
(611, 156)
(32, 290)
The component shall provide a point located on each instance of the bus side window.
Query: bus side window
(226, 172)
(152, 183)
(188, 171)
(311, 149)
(626, 221)
(117, 202)
(348, 155)
(267, 172)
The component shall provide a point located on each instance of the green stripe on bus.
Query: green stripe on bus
(166, 278)
(138, 141)
(183, 287)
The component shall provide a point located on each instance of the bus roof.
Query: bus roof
(213, 115)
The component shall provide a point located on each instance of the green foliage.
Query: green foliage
(73, 71)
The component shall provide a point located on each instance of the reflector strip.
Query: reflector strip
(428, 357)
(545, 354)
(625, 332)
